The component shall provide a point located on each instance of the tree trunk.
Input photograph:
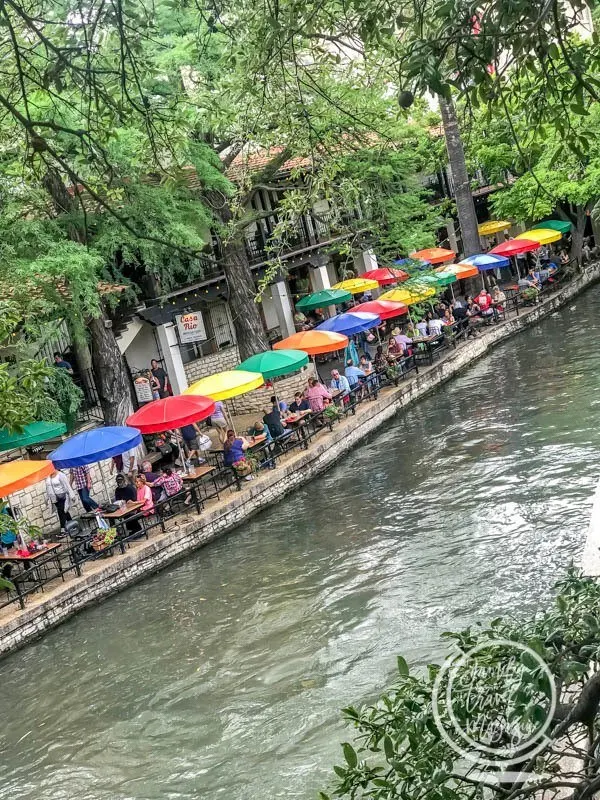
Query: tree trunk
(112, 380)
(249, 331)
(462, 186)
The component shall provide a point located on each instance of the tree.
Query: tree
(553, 178)
(535, 679)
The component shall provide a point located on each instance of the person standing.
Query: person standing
(60, 494)
(218, 421)
(62, 364)
(162, 378)
(81, 479)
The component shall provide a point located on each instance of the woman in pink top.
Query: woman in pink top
(315, 395)
(144, 495)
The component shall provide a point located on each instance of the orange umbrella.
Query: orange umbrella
(16, 475)
(435, 255)
(462, 271)
(313, 342)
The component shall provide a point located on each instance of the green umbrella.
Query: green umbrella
(274, 363)
(441, 279)
(555, 225)
(33, 433)
(322, 299)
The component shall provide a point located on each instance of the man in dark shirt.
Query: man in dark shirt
(272, 420)
(300, 403)
(161, 376)
(62, 364)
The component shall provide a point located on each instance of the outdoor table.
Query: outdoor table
(297, 422)
(197, 473)
(130, 508)
(427, 342)
(31, 558)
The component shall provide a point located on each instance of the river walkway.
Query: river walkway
(104, 577)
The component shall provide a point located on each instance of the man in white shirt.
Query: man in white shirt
(435, 327)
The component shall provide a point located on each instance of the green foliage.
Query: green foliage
(399, 751)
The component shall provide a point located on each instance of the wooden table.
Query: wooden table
(130, 507)
(198, 472)
(29, 561)
(48, 548)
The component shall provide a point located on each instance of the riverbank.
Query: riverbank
(107, 576)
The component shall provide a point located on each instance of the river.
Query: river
(222, 677)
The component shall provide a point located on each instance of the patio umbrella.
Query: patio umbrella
(225, 385)
(275, 363)
(350, 323)
(322, 299)
(405, 296)
(493, 226)
(17, 475)
(386, 275)
(33, 433)
(171, 412)
(438, 279)
(514, 247)
(541, 235)
(356, 285)
(313, 342)
(88, 447)
(554, 225)
(462, 271)
(435, 255)
(383, 308)
(484, 262)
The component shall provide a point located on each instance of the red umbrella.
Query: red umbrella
(513, 247)
(171, 412)
(386, 275)
(386, 309)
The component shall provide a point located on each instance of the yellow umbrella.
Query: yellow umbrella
(407, 297)
(356, 285)
(541, 235)
(492, 227)
(224, 385)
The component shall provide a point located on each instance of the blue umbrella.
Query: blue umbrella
(485, 261)
(88, 447)
(350, 323)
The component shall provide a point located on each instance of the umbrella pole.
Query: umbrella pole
(452, 292)
(517, 268)
(106, 489)
(482, 280)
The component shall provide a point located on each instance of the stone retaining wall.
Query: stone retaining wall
(257, 400)
(107, 577)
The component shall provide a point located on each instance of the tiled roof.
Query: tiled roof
(247, 163)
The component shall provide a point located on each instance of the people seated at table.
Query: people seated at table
(144, 496)
(435, 326)
(315, 395)
(422, 328)
(300, 403)
(124, 491)
(533, 279)
(366, 364)
(170, 482)
(272, 419)
(498, 298)
(404, 341)
(260, 429)
(281, 405)
(394, 349)
(353, 374)
(339, 383)
(151, 477)
(448, 318)
(484, 301)
(380, 361)
(234, 455)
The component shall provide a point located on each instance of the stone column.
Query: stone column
(167, 337)
(280, 295)
(364, 262)
(319, 278)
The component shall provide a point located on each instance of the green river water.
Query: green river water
(222, 677)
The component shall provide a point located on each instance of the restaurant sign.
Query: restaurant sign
(191, 327)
